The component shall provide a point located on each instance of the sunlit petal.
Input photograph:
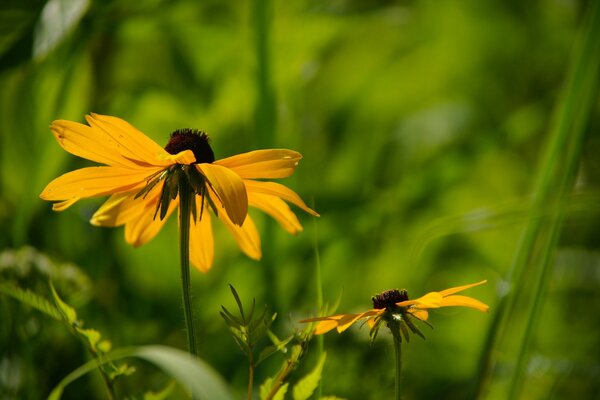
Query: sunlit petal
(430, 300)
(457, 289)
(420, 314)
(120, 208)
(277, 209)
(201, 241)
(247, 236)
(325, 326)
(132, 143)
(464, 301)
(279, 190)
(63, 205)
(276, 163)
(83, 141)
(142, 229)
(230, 189)
(95, 181)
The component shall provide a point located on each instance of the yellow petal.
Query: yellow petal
(457, 289)
(277, 209)
(430, 300)
(183, 157)
(464, 301)
(277, 163)
(350, 319)
(324, 327)
(246, 236)
(63, 205)
(230, 189)
(142, 228)
(88, 143)
(95, 181)
(132, 143)
(279, 190)
(421, 314)
(120, 208)
(201, 241)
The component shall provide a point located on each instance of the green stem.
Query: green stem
(186, 197)
(398, 356)
(250, 378)
(319, 289)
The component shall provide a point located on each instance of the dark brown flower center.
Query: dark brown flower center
(389, 298)
(194, 140)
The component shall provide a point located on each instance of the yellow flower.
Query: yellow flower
(395, 305)
(142, 180)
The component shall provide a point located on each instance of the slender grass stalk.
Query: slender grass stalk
(186, 196)
(264, 125)
(319, 291)
(554, 181)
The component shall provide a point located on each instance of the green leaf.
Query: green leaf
(92, 336)
(69, 314)
(278, 345)
(307, 385)
(31, 299)
(237, 300)
(190, 372)
(266, 389)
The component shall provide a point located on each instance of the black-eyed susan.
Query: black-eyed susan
(394, 305)
(395, 309)
(144, 181)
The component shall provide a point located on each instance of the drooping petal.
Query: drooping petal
(63, 205)
(350, 319)
(420, 314)
(325, 326)
(464, 301)
(120, 208)
(230, 189)
(95, 181)
(279, 190)
(142, 228)
(276, 163)
(86, 142)
(457, 289)
(246, 236)
(277, 209)
(132, 143)
(201, 240)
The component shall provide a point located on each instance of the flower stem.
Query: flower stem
(186, 196)
(250, 378)
(398, 356)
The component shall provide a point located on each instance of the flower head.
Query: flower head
(394, 307)
(143, 181)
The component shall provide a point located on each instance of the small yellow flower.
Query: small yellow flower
(142, 179)
(395, 305)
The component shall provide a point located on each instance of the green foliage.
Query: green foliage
(420, 125)
(307, 385)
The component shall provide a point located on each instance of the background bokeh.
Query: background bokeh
(421, 123)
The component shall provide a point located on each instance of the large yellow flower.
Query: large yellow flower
(395, 305)
(141, 178)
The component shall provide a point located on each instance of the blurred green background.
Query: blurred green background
(421, 123)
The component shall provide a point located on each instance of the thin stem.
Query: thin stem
(319, 290)
(398, 356)
(185, 201)
(250, 378)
